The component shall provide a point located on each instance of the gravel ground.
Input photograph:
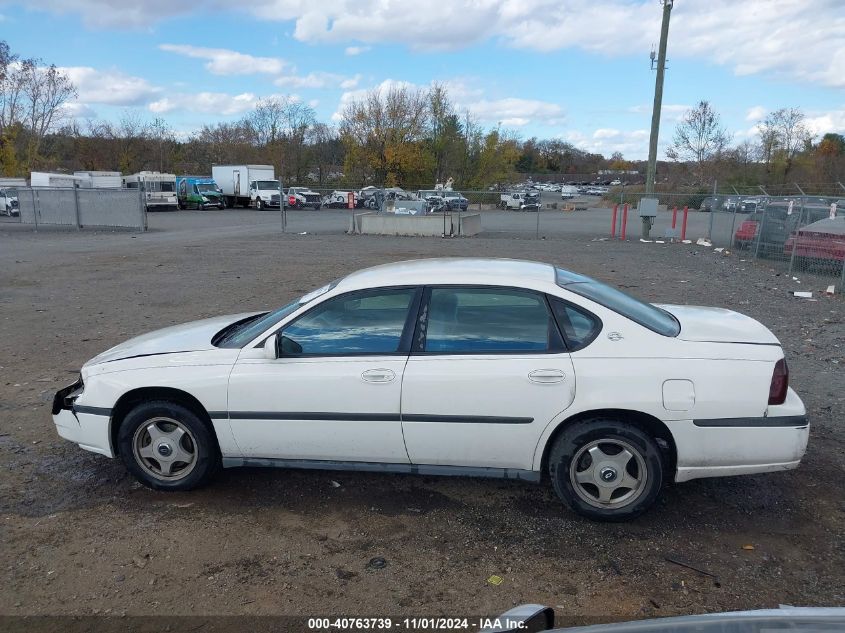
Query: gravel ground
(78, 536)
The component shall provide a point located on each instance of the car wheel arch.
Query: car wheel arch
(647, 423)
(131, 398)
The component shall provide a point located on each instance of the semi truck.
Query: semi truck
(9, 195)
(159, 190)
(247, 185)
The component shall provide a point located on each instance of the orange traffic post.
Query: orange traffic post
(613, 222)
(684, 224)
(674, 217)
(624, 220)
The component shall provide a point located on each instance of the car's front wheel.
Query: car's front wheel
(606, 469)
(167, 446)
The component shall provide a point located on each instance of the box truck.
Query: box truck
(199, 192)
(46, 179)
(101, 179)
(247, 185)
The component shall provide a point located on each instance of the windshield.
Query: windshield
(646, 314)
(267, 184)
(202, 187)
(242, 332)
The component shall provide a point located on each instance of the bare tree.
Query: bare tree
(699, 138)
(783, 135)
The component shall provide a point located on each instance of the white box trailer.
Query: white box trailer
(159, 190)
(101, 179)
(247, 185)
(46, 179)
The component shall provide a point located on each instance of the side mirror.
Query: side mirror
(271, 351)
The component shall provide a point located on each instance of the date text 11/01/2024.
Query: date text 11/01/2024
(415, 624)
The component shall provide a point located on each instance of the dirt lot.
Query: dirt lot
(78, 536)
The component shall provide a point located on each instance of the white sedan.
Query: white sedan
(480, 367)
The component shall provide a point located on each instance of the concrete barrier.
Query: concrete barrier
(464, 225)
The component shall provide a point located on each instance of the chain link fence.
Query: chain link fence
(797, 235)
(80, 208)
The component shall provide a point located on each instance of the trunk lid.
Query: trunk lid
(718, 325)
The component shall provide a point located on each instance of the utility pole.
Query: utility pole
(655, 115)
(658, 98)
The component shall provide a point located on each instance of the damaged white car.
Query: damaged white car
(480, 367)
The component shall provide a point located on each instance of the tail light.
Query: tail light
(780, 383)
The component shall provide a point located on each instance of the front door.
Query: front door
(334, 392)
(490, 373)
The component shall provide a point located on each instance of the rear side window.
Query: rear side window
(489, 320)
(646, 314)
(579, 327)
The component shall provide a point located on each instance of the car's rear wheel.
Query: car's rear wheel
(606, 469)
(167, 446)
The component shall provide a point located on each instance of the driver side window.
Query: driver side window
(370, 322)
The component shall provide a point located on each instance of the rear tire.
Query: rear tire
(167, 446)
(606, 469)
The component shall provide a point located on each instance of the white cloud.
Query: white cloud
(318, 80)
(205, 102)
(788, 38)
(633, 144)
(668, 112)
(222, 61)
(356, 50)
(110, 87)
(820, 123)
(516, 112)
(79, 111)
(755, 114)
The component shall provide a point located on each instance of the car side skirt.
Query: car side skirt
(378, 467)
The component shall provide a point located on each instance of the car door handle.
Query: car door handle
(378, 375)
(546, 376)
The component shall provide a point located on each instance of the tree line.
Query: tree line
(399, 136)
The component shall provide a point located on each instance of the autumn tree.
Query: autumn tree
(383, 135)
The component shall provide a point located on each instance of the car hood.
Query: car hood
(718, 325)
(189, 337)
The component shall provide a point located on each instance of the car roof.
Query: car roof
(451, 270)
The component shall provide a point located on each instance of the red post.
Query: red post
(613, 222)
(684, 224)
(674, 216)
(624, 220)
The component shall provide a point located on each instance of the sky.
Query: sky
(577, 70)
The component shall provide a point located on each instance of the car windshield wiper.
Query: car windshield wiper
(230, 330)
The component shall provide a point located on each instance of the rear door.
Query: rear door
(487, 373)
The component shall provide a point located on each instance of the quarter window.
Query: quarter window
(579, 327)
(359, 323)
(485, 320)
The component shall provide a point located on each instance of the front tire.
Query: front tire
(606, 470)
(167, 446)
(259, 204)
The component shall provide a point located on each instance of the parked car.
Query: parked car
(480, 367)
(340, 200)
(455, 201)
(773, 225)
(568, 191)
(303, 198)
(822, 240)
(9, 202)
(520, 201)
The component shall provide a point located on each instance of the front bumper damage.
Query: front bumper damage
(86, 426)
